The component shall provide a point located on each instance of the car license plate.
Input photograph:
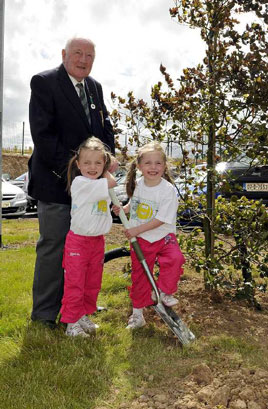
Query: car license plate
(6, 204)
(257, 187)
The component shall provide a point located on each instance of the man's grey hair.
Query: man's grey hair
(70, 41)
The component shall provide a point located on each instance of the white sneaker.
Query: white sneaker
(167, 299)
(136, 321)
(87, 325)
(75, 330)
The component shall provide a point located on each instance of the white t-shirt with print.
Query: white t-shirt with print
(158, 202)
(90, 212)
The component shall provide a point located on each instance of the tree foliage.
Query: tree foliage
(218, 109)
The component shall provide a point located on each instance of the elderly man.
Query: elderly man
(66, 107)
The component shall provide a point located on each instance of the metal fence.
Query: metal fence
(17, 137)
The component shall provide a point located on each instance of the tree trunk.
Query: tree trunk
(212, 113)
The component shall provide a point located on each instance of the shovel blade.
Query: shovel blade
(175, 323)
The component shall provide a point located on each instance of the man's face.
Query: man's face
(78, 58)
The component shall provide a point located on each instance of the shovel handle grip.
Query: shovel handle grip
(116, 202)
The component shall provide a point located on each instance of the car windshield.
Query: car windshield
(244, 159)
(21, 177)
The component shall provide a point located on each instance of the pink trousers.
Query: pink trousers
(168, 254)
(83, 264)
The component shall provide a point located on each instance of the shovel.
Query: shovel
(167, 314)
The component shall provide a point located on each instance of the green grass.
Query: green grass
(43, 369)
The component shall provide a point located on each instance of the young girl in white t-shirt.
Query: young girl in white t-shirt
(88, 183)
(153, 208)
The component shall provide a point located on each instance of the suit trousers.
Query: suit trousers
(168, 254)
(54, 224)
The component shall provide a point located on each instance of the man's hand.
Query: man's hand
(114, 165)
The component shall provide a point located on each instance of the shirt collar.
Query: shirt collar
(74, 81)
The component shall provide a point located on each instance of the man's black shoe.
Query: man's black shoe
(47, 323)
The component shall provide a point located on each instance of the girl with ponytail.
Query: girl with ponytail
(153, 209)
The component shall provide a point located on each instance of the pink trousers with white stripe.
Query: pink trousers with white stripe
(170, 259)
(83, 265)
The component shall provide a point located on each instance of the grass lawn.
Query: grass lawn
(44, 369)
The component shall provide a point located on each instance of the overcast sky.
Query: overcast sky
(132, 38)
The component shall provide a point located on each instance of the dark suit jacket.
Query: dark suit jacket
(58, 126)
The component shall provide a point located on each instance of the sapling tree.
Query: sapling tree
(218, 108)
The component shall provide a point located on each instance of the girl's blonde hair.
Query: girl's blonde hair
(93, 144)
(132, 173)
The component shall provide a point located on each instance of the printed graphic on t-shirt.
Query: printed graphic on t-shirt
(143, 209)
(99, 208)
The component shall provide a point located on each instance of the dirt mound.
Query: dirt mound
(14, 164)
(239, 389)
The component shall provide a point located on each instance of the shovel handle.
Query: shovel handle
(125, 222)
(116, 202)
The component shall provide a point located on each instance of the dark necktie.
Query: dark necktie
(83, 99)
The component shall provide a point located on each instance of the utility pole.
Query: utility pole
(2, 9)
(22, 143)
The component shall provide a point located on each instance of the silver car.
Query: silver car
(14, 202)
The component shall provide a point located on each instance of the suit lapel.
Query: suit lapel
(71, 94)
(93, 98)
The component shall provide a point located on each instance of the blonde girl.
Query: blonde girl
(88, 183)
(152, 208)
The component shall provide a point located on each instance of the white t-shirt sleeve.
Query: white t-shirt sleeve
(95, 190)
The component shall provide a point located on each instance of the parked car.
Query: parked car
(240, 177)
(22, 181)
(14, 202)
(247, 178)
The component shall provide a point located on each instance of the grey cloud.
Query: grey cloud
(13, 22)
(16, 96)
(59, 12)
(102, 10)
(158, 12)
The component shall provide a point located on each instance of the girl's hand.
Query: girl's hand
(133, 232)
(110, 179)
(116, 209)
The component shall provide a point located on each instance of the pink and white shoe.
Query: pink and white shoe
(87, 325)
(166, 299)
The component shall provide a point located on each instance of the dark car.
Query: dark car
(240, 177)
(246, 177)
